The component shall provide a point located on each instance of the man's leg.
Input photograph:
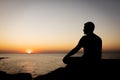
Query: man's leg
(73, 60)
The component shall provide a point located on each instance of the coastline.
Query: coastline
(3, 58)
(108, 67)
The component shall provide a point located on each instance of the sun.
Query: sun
(29, 51)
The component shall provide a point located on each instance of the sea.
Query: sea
(38, 64)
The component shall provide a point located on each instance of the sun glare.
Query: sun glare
(29, 51)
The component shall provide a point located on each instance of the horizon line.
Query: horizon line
(62, 51)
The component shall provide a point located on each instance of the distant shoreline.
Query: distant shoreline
(3, 58)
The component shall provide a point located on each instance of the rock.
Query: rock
(18, 76)
(106, 68)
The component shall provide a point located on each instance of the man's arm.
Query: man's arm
(74, 50)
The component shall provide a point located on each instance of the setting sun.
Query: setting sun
(29, 51)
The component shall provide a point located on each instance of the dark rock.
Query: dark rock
(18, 76)
(107, 68)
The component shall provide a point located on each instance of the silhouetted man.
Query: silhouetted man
(90, 42)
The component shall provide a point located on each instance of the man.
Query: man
(90, 42)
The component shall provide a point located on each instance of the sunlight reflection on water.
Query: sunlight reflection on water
(35, 64)
(28, 66)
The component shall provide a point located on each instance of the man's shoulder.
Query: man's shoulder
(97, 36)
(83, 38)
(91, 36)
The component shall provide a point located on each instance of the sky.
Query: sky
(57, 25)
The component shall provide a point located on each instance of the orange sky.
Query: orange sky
(56, 25)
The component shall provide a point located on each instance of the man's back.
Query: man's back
(92, 45)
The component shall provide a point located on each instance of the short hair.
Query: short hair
(89, 25)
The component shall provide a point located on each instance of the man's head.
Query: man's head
(89, 28)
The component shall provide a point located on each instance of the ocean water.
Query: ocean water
(37, 64)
